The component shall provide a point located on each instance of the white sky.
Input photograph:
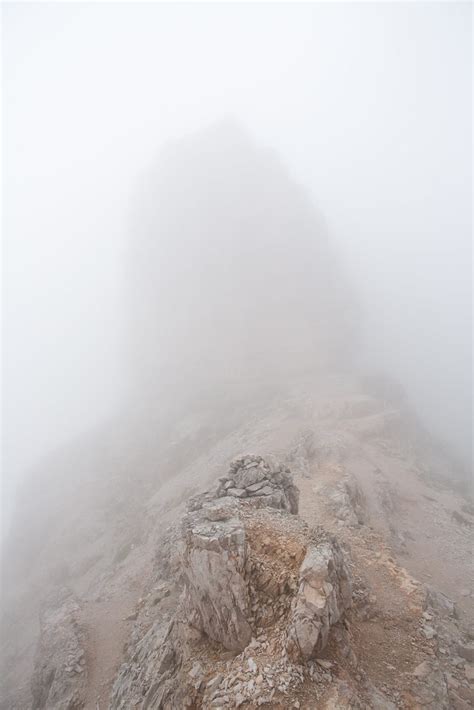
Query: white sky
(370, 107)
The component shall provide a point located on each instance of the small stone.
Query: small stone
(252, 665)
(327, 665)
(466, 651)
(423, 670)
(215, 682)
(237, 492)
(469, 671)
(265, 491)
(429, 632)
(196, 670)
(257, 486)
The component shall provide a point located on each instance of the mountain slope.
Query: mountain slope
(365, 473)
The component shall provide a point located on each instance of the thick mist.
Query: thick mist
(364, 114)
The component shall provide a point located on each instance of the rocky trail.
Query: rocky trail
(332, 568)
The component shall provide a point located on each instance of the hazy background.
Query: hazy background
(369, 106)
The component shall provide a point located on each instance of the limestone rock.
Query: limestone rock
(346, 501)
(254, 477)
(257, 582)
(216, 591)
(323, 595)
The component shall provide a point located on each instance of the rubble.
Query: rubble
(263, 482)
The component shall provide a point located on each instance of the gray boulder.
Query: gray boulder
(216, 593)
(324, 593)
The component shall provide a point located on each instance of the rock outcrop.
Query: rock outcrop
(217, 597)
(261, 592)
(60, 679)
(324, 593)
(263, 482)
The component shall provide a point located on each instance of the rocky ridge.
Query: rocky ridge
(385, 494)
(261, 592)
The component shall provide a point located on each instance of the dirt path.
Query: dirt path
(107, 632)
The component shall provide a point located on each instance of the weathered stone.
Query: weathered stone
(469, 671)
(229, 574)
(439, 601)
(324, 594)
(429, 686)
(248, 477)
(428, 631)
(221, 509)
(257, 486)
(466, 650)
(265, 491)
(237, 492)
(213, 565)
(423, 670)
(56, 685)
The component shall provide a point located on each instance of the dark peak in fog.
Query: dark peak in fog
(234, 277)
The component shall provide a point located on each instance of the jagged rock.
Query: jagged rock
(429, 686)
(216, 592)
(237, 492)
(253, 477)
(246, 563)
(324, 594)
(346, 501)
(59, 679)
(245, 477)
(439, 601)
(221, 509)
(428, 631)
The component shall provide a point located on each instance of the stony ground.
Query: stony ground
(366, 473)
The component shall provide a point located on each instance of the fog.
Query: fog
(365, 113)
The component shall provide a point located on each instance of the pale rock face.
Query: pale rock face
(324, 593)
(216, 591)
